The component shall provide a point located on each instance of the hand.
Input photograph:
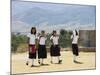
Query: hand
(35, 47)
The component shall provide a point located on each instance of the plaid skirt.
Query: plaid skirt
(75, 49)
(32, 52)
(55, 50)
(42, 53)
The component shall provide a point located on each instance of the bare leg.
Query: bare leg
(39, 61)
(27, 62)
(59, 60)
(51, 59)
(74, 58)
(32, 63)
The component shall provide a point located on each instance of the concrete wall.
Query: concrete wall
(87, 38)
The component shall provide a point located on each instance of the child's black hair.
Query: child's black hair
(54, 31)
(34, 29)
(42, 31)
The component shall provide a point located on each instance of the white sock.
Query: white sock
(32, 61)
(74, 58)
(42, 61)
(28, 60)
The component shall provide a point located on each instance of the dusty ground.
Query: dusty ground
(87, 60)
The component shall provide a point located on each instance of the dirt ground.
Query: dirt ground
(87, 59)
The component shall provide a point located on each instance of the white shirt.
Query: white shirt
(42, 40)
(55, 39)
(75, 39)
(32, 38)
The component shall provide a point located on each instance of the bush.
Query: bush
(16, 40)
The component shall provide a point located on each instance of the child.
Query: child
(42, 53)
(75, 51)
(55, 49)
(32, 45)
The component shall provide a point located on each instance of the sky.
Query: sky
(21, 8)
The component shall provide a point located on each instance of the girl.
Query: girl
(32, 45)
(75, 51)
(55, 49)
(42, 53)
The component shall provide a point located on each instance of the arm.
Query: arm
(51, 40)
(71, 36)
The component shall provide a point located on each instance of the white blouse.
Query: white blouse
(74, 39)
(42, 40)
(32, 38)
(55, 39)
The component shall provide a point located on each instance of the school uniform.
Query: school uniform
(32, 49)
(42, 53)
(54, 49)
(75, 44)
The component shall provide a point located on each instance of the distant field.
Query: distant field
(86, 58)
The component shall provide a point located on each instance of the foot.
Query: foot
(32, 65)
(60, 61)
(26, 63)
(39, 61)
(76, 61)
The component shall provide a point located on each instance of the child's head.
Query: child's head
(54, 33)
(33, 30)
(42, 32)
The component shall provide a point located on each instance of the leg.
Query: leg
(51, 59)
(27, 62)
(42, 61)
(39, 61)
(59, 60)
(74, 58)
(32, 63)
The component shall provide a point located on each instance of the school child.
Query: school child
(32, 46)
(75, 50)
(42, 53)
(55, 49)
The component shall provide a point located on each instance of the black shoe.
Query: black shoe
(26, 63)
(32, 65)
(60, 61)
(39, 61)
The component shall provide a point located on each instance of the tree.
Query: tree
(16, 40)
(64, 39)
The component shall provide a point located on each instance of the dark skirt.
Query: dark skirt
(75, 49)
(32, 52)
(55, 50)
(42, 53)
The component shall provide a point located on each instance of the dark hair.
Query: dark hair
(76, 32)
(54, 31)
(42, 31)
(34, 29)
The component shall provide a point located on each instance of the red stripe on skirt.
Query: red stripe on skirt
(32, 49)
